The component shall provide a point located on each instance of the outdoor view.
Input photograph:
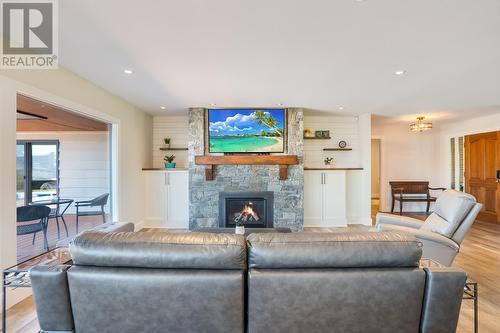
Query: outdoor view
(43, 176)
(246, 130)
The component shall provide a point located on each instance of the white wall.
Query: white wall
(131, 127)
(341, 128)
(84, 169)
(175, 128)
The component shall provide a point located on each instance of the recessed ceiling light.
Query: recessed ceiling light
(127, 71)
(400, 72)
(162, 107)
(341, 108)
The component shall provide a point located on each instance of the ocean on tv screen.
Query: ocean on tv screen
(246, 130)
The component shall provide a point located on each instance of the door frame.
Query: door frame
(114, 137)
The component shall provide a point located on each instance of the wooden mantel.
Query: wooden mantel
(210, 161)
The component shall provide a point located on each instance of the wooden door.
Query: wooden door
(482, 160)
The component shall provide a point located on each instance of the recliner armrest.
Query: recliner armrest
(423, 235)
(384, 218)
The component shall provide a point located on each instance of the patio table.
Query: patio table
(62, 206)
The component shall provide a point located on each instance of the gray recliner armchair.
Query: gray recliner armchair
(444, 230)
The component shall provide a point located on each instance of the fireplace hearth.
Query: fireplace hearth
(251, 209)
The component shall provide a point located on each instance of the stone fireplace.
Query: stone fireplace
(251, 209)
(205, 195)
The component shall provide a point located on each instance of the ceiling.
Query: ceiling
(51, 118)
(319, 54)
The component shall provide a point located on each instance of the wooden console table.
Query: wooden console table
(283, 161)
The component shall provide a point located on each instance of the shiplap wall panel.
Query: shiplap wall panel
(83, 163)
(175, 128)
(341, 128)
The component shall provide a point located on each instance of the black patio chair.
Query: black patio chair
(33, 213)
(100, 201)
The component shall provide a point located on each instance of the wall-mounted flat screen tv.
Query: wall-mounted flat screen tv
(246, 130)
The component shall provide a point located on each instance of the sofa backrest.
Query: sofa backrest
(366, 282)
(159, 250)
(333, 250)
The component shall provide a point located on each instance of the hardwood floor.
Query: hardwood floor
(479, 257)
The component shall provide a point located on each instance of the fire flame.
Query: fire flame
(246, 214)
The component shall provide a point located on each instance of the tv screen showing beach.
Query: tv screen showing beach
(246, 130)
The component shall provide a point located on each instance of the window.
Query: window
(37, 171)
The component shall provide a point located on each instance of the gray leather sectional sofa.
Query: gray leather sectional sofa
(205, 282)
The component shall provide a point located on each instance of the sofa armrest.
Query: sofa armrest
(384, 218)
(52, 300)
(444, 289)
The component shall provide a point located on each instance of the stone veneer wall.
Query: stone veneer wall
(288, 194)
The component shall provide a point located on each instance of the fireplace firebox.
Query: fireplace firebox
(252, 209)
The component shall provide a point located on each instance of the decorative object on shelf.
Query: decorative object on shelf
(342, 144)
(308, 133)
(169, 161)
(420, 126)
(322, 134)
(167, 142)
(328, 161)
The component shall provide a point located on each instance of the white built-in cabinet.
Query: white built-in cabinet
(325, 198)
(166, 199)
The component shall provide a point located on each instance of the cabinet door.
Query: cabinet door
(177, 200)
(313, 198)
(334, 198)
(155, 197)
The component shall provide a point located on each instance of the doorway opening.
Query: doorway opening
(62, 158)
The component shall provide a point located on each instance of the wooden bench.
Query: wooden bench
(412, 191)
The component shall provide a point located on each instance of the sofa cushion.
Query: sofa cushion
(453, 207)
(333, 250)
(159, 250)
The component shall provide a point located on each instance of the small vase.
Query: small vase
(167, 145)
(240, 230)
(169, 165)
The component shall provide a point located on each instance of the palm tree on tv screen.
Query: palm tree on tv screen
(268, 121)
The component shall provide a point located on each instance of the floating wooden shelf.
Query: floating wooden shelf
(332, 169)
(283, 161)
(337, 149)
(316, 138)
(163, 148)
